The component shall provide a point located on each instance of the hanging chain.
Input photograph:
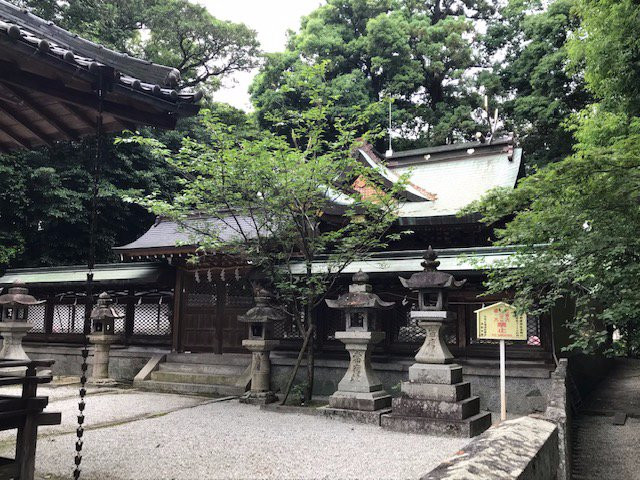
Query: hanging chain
(81, 405)
(97, 160)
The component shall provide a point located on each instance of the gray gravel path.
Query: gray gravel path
(228, 440)
(602, 450)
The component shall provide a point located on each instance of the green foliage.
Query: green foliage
(45, 200)
(538, 93)
(273, 194)
(577, 220)
(414, 52)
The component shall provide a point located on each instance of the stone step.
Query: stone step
(202, 368)
(440, 392)
(210, 358)
(418, 407)
(467, 428)
(198, 378)
(189, 388)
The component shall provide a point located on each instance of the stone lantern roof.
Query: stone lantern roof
(359, 296)
(18, 295)
(104, 309)
(263, 312)
(430, 278)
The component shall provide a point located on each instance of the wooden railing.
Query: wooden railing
(24, 413)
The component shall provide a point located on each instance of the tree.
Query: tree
(529, 42)
(577, 220)
(273, 194)
(46, 203)
(420, 54)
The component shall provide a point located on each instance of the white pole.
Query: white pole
(503, 390)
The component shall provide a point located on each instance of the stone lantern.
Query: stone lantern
(103, 317)
(435, 400)
(260, 343)
(14, 326)
(360, 388)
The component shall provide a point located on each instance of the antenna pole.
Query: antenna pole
(390, 151)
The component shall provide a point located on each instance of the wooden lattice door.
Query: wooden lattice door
(201, 312)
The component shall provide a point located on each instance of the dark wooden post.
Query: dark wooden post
(28, 432)
(129, 316)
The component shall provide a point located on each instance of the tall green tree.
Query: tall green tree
(577, 220)
(537, 93)
(420, 54)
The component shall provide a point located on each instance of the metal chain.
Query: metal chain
(81, 405)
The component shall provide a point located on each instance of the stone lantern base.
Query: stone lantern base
(360, 388)
(12, 335)
(435, 400)
(102, 348)
(260, 393)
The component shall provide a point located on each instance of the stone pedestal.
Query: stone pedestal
(102, 347)
(435, 400)
(12, 335)
(260, 392)
(360, 388)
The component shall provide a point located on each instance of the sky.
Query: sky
(271, 19)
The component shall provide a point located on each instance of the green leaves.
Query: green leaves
(281, 204)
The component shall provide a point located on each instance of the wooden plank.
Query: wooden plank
(50, 118)
(25, 123)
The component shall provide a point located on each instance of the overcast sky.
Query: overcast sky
(271, 19)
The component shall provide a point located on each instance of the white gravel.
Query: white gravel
(229, 440)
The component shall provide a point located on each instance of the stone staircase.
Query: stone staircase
(197, 373)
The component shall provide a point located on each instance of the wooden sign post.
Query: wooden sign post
(500, 322)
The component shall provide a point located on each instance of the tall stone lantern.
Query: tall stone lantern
(103, 317)
(360, 388)
(435, 400)
(14, 326)
(260, 343)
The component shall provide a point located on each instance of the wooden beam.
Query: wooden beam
(10, 73)
(79, 114)
(11, 133)
(50, 118)
(26, 123)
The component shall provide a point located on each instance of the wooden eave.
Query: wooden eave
(49, 93)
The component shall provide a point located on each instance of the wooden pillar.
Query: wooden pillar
(178, 293)
(129, 316)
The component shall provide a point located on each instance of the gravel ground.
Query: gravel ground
(229, 440)
(107, 408)
(606, 451)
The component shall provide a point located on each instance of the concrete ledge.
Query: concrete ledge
(358, 416)
(521, 449)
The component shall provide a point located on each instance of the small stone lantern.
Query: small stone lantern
(260, 343)
(103, 317)
(14, 326)
(432, 288)
(435, 400)
(360, 388)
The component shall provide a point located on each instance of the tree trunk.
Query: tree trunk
(292, 377)
(308, 395)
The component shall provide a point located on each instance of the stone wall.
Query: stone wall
(124, 362)
(521, 449)
(527, 383)
(559, 412)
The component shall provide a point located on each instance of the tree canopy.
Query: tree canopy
(420, 54)
(577, 220)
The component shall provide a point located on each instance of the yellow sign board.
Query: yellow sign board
(500, 322)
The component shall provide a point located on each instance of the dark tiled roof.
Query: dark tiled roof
(159, 80)
(168, 234)
(49, 84)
